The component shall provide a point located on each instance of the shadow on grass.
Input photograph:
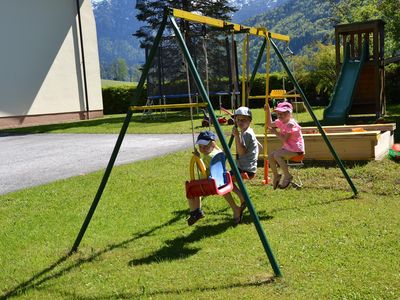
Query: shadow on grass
(46, 274)
(177, 292)
(31, 282)
(262, 216)
(171, 118)
(175, 250)
(221, 287)
(179, 248)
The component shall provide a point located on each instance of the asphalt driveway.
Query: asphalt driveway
(35, 159)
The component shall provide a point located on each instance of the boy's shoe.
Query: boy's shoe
(195, 216)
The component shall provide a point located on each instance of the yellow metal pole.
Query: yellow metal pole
(244, 69)
(268, 66)
(165, 106)
(178, 13)
(247, 70)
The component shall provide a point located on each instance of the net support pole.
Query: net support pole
(266, 179)
(120, 139)
(311, 112)
(257, 64)
(221, 136)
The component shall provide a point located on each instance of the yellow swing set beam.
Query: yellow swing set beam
(188, 16)
(165, 106)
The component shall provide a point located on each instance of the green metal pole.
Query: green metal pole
(253, 75)
(231, 140)
(257, 64)
(121, 136)
(221, 136)
(311, 112)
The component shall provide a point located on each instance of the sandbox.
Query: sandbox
(351, 142)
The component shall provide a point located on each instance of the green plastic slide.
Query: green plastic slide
(338, 110)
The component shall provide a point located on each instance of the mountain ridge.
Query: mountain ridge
(305, 21)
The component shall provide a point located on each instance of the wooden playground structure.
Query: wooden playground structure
(351, 142)
(369, 94)
(359, 88)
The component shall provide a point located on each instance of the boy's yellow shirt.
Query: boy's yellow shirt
(207, 160)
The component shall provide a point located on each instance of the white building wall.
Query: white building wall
(41, 69)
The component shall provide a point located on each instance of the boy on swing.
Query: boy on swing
(207, 150)
(247, 155)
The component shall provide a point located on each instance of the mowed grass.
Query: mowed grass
(171, 122)
(109, 83)
(138, 246)
(181, 122)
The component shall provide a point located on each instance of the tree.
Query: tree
(391, 14)
(118, 70)
(122, 70)
(317, 67)
(350, 11)
(134, 73)
(151, 12)
(168, 73)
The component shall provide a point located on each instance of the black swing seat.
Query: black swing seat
(218, 183)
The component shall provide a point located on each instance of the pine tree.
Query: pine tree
(151, 12)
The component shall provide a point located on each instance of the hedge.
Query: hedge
(116, 99)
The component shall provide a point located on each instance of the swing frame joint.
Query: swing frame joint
(229, 27)
(244, 29)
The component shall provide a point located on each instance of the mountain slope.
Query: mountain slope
(115, 23)
(249, 8)
(305, 21)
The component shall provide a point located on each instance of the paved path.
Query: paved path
(35, 159)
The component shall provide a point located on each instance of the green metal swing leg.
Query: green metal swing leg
(225, 146)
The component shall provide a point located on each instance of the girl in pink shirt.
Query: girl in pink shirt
(289, 132)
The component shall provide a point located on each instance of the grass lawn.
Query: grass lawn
(139, 246)
(328, 245)
(175, 122)
(107, 83)
(172, 122)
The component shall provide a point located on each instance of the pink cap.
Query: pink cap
(284, 106)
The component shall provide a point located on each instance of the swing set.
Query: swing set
(220, 181)
(215, 59)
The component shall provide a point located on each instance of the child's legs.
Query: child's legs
(194, 203)
(280, 157)
(229, 198)
(273, 163)
(238, 192)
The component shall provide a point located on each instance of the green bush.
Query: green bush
(116, 99)
(308, 86)
(392, 83)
